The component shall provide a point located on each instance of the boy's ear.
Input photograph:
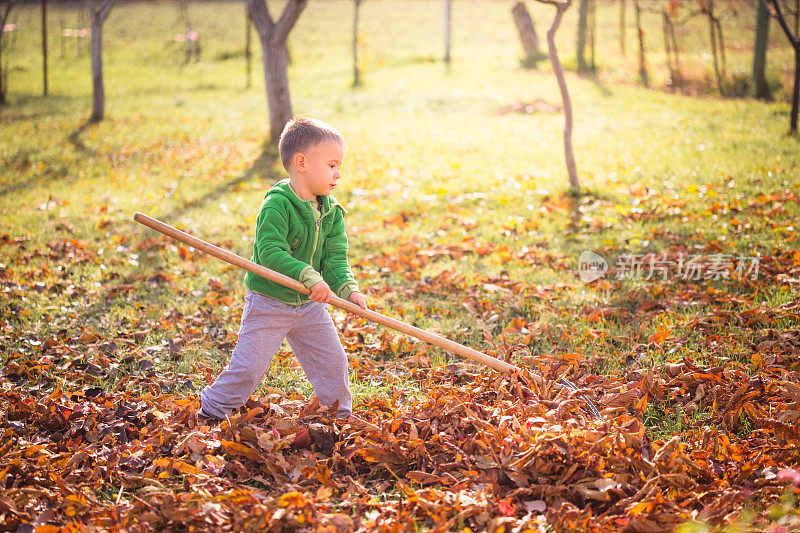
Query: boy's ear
(299, 161)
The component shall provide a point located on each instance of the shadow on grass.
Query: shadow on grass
(155, 261)
(602, 87)
(26, 156)
(261, 167)
(49, 106)
(21, 158)
(75, 138)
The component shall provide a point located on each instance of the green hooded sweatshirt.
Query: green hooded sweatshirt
(296, 239)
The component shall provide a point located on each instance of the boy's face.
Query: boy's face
(317, 169)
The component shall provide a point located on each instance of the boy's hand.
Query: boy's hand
(320, 292)
(358, 299)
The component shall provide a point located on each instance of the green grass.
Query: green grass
(186, 144)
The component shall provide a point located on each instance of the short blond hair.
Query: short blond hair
(300, 134)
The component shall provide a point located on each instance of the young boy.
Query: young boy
(300, 232)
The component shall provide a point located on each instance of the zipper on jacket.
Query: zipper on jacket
(318, 220)
(316, 231)
(316, 238)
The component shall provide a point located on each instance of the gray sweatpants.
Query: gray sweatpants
(313, 339)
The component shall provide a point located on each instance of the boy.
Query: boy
(300, 232)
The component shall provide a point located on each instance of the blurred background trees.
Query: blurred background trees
(715, 47)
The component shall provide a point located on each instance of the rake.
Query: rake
(389, 322)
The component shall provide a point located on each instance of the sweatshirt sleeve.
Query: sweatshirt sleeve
(272, 246)
(335, 268)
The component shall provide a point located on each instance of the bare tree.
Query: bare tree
(592, 30)
(356, 71)
(671, 46)
(527, 34)
(622, 27)
(637, 11)
(44, 47)
(760, 52)
(81, 28)
(583, 22)
(275, 56)
(248, 54)
(190, 37)
(776, 10)
(707, 8)
(447, 8)
(561, 7)
(5, 11)
(668, 12)
(99, 14)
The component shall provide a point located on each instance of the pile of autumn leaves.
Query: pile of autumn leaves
(481, 450)
(484, 451)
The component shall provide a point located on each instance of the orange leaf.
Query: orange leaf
(641, 507)
(659, 336)
(239, 449)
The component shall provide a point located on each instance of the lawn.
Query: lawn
(459, 222)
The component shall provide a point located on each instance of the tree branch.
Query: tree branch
(689, 16)
(102, 11)
(259, 14)
(774, 9)
(9, 6)
(561, 8)
(288, 18)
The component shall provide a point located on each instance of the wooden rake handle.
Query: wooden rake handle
(286, 281)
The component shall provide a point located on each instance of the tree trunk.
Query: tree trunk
(527, 34)
(356, 73)
(248, 53)
(277, 83)
(447, 20)
(776, 11)
(2, 74)
(640, 34)
(622, 27)
(275, 55)
(667, 47)
(81, 26)
(592, 27)
(98, 102)
(760, 52)
(677, 54)
(186, 28)
(583, 16)
(717, 46)
(721, 42)
(99, 13)
(44, 47)
(562, 85)
(712, 30)
(795, 89)
(3, 78)
(671, 48)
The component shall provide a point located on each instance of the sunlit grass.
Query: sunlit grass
(427, 145)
